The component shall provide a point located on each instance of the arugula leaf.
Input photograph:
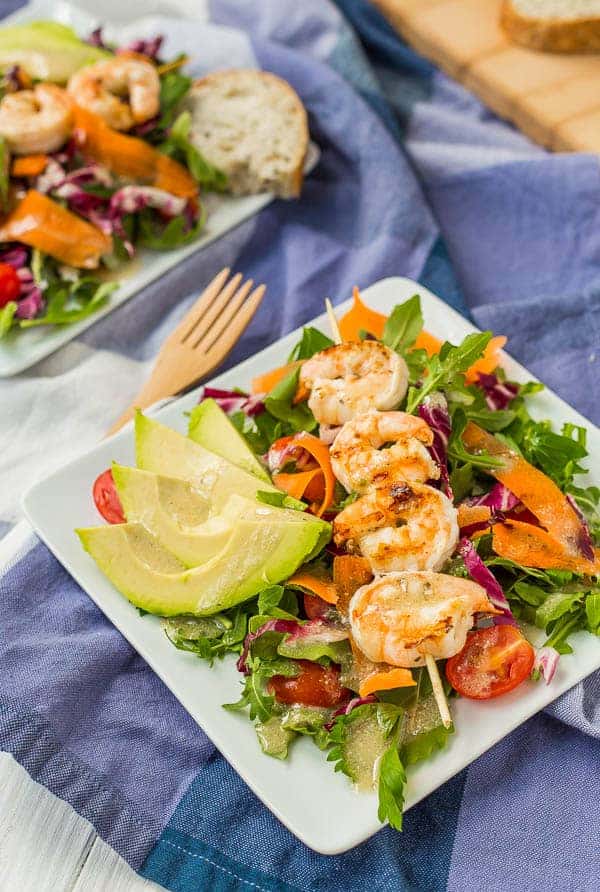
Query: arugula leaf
(4, 176)
(592, 612)
(280, 500)
(157, 236)
(68, 302)
(209, 637)
(558, 455)
(279, 403)
(177, 145)
(588, 500)
(392, 783)
(274, 737)
(462, 480)
(255, 696)
(404, 325)
(445, 368)
(457, 451)
(173, 87)
(269, 598)
(7, 315)
(311, 342)
(423, 731)
(259, 431)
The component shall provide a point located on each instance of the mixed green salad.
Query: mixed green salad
(237, 535)
(95, 162)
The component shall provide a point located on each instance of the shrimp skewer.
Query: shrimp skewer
(399, 527)
(37, 121)
(402, 617)
(349, 378)
(359, 460)
(122, 91)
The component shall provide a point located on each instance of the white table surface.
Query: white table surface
(45, 846)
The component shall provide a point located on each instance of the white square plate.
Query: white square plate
(214, 47)
(317, 805)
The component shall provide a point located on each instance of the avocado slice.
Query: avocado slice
(47, 51)
(173, 512)
(164, 451)
(267, 545)
(210, 426)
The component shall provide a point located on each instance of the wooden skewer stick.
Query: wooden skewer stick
(333, 323)
(438, 690)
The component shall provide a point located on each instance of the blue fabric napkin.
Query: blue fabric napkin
(417, 179)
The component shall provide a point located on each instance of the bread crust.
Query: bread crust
(551, 35)
(292, 186)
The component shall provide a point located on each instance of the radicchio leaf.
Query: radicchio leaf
(234, 401)
(434, 410)
(481, 574)
(316, 629)
(498, 394)
(585, 542)
(546, 662)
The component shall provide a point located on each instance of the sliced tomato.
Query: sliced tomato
(10, 284)
(106, 498)
(492, 662)
(315, 685)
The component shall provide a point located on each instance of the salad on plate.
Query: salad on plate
(104, 150)
(372, 531)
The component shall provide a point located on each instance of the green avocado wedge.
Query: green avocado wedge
(210, 426)
(164, 451)
(171, 510)
(265, 548)
(47, 51)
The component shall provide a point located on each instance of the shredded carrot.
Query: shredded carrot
(470, 514)
(130, 157)
(319, 584)
(320, 453)
(532, 546)
(360, 317)
(428, 342)
(386, 680)
(44, 224)
(488, 362)
(537, 492)
(265, 383)
(29, 165)
(295, 485)
(350, 571)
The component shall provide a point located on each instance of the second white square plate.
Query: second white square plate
(317, 805)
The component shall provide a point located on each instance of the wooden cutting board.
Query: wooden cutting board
(553, 99)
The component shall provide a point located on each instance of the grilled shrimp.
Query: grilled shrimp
(359, 460)
(400, 617)
(35, 121)
(399, 527)
(122, 91)
(349, 378)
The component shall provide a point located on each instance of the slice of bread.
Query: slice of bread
(555, 26)
(252, 125)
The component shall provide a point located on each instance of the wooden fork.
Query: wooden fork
(201, 341)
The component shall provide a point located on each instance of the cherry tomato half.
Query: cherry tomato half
(106, 498)
(10, 284)
(315, 685)
(492, 662)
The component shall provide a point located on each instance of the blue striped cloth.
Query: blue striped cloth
(416, 179)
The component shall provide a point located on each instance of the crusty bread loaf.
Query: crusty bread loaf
(555, 26)
(252, 125)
